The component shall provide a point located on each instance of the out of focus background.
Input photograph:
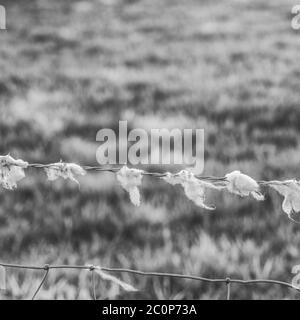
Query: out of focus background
(70, 68)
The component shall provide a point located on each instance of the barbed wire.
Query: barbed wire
(221, 179)
(131, 178)
(228, 281)
(116, 169)
(104, 168)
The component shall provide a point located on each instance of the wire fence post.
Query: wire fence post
(46, 268)
(228, 287)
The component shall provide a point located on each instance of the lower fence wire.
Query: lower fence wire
(227, 281)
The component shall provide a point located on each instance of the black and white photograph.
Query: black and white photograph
(149, 152)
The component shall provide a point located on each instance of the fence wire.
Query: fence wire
(116, 169)
(227, 281)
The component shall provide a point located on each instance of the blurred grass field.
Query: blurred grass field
(70, 68)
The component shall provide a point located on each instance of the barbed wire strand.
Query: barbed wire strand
(228, 281)
(116, 169)
(149, 173)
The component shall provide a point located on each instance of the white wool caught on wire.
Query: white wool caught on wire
(243, 185)
(130, 179)
(194, 189)
(290, 189)
(64, 170)
(122, 284)
(11, 171)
